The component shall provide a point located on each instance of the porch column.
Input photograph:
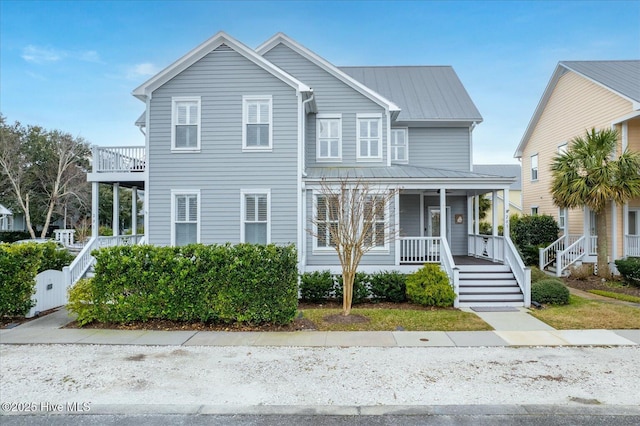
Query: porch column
(505, 226)
(494, 222)
(396, 225)
(95, 208)
(134, 210)
(469, 214)
(614, 231)
(625, 225)
(443, 214)
(585, 230)
(476, 215)
(116, 209)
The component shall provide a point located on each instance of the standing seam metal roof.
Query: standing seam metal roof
(423, 92)
(510, 170)
(393, 172)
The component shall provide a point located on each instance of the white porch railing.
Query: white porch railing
(119, 159)
(570, 255)
(449, 266)
(632, 245)
(420, 249)
(593, 245)
(486, 247)
(64, 236)
(520, 271)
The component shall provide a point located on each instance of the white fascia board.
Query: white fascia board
(559, 71)
(328, 67)
(421, 184)
(142, 91)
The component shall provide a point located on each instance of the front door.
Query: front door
(433, 222)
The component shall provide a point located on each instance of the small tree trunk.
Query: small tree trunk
(347, 291)
(27, 216)
(603, 252)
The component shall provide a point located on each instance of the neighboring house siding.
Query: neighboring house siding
(443, 148)
(515, 200)
(332, 96)
(575, 105)
(221, 169)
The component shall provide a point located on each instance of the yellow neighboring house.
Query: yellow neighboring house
(515, 190)
(582, 95)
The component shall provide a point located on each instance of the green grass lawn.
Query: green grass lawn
(614, 295)
(582, 314)
(391, 319)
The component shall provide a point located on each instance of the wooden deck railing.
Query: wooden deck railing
(119, 159)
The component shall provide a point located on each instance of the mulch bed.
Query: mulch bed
(596, 283)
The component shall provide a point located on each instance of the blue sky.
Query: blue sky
(71, 65)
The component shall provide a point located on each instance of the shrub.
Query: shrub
(581, 272)
(360, 288)
(13, 236)
(550, 291)
(105, 231)
(629, 268)
(537, 274)
(530, 233)
(316, 286)
(19, 265)
(242, 283)
(389, 286)
(54, 257)
(430, 286)
(81, 297)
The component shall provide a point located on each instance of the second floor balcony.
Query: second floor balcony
(125, 164)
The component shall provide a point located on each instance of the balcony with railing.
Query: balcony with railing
(118, 164)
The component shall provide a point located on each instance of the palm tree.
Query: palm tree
(588, 174)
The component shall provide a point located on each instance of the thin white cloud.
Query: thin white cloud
(42, 55)
(145, 69)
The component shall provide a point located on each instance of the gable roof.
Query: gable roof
(142, 91)
(511, 170)
(281, 38)
(620, 77)
(5, 211)
(423, 92)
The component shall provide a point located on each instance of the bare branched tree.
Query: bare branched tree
(352, 217)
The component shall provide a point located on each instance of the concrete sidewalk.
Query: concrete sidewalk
(516, 328)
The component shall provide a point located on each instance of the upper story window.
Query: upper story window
(534, 211)
(255, 216)
(399, 146)
(185, 217)
(562, 149)
(534, 167)
(369, 137)
(257, 123)
(329, 137)
(185, 123)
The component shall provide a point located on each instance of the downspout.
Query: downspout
(302, 189)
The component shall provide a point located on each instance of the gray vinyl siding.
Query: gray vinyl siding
(459, 235)
(220, 170)
(330, 258)
(440, 147)
(410, 215)
(332, 96)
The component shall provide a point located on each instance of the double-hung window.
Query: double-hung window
(326, 220)
(257, 120)
(374, 221)
(399, 149)
(329, 137)
(255, 216)
(185, 217)
(369, 137)
(534, 167)
(185, 123)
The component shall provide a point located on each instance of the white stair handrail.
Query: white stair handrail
(570, 255)
(449, 266)
(546, 255)
(521, 272)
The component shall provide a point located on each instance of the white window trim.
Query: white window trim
(531, 168)
(261, 191)
(319, 117)
(331, 250)
(175, 192)
(537, 210)
(174, 101)
(406, 145)
(245, 100)
(563, 213)
(564, 145)
(359, 157)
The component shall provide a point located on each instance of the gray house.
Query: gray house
(238, 142)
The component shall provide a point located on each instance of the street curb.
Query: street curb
(339, 410)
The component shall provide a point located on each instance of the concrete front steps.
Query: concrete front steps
(488, 285)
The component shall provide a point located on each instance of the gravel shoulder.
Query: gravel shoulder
(241, 376)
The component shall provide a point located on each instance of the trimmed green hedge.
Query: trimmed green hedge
(219, 283)
(320, 286)
(629, 268)
(429, 286)
(550, 291)
(19, 265)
